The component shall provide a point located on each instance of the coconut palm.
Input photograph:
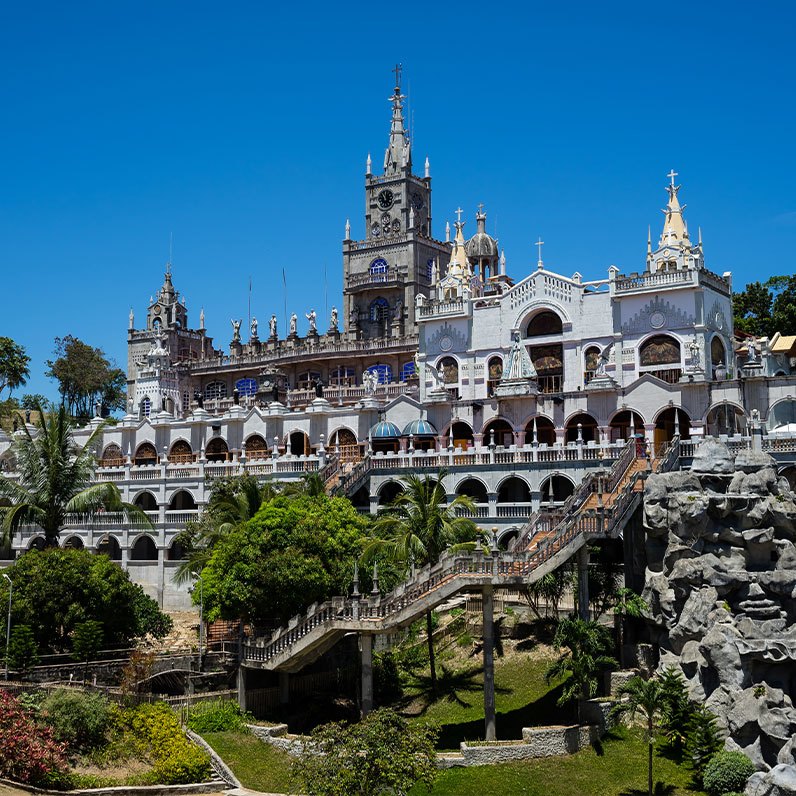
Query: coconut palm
(586, 646)
(56, 480)
(645, 698)
(417, 528)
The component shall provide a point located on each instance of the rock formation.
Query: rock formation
(720, 583)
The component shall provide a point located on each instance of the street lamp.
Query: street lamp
(8, 622)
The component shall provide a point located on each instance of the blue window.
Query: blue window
(379, 309)
(407, 370)
(430, 268)
(378, 266)
(384, 372)
(146, 407)
(246, 386)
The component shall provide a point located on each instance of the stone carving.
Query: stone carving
(272, 325)
(333, 321)
(236, 330)
(716, 318)
(370, 380)
(254, 328)
(658, 314)
(293, 324)
(720, 581)
(312, 317)
(458, 340)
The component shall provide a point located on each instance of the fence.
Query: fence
(262, 701)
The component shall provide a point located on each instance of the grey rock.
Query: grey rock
(712, 457)
(749, 461)
(779, 781)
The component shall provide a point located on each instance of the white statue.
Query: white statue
(398, 310)
(236, 330)
(693, 348)
(272, 325)
(752, 351)
(370, 380)
(293, 324)
(601, 362)
(312, 318)
(333, 320)
(254, 327)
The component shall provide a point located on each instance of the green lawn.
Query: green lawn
(618, 768)
(522, 699)
(255, 763)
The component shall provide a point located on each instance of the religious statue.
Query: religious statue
(693, 348)
(601, 363)
(272, 325)
(312, 318)
(333, 320)
(751, 348)
(318, 388)
(353, 318)
(370, 380)
(236, 330)
(398, 310)
(254, 328)
(293, 324)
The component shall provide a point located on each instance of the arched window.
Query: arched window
(462, 435)
(216, 389)
(379, 310)
(378, 266)
(583, 423)
(146, 501)
(112, 456)
(660, 356)
(246, 386)
(217, 450)
(343, 376)
(544, 323)
(555, 490)
(390, 491)
(503, 433)
(450, 370)
(144, 549)
(591, 360)
(306, 380)
(514, 490)
(182, 501)
(495, 373)
(473, 489)
(718, 356)
(146, 406)
(299, 444)
(145, 454)
(407, 371)
(180, 452)
(256, 447)
(109, 546)
(545, 431)
(626, 424)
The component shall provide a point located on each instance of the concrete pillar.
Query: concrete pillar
(487, 596)
(583, 583)
(242, 688)
(284, 688)
(366, 653)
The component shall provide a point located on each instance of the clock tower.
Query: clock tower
(384, 272)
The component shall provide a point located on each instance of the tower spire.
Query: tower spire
(399, 152)
(675, 230)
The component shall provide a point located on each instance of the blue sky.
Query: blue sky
(243, 128)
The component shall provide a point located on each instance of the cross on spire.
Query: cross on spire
(459, 212)
(671, 175)
(397, 70)
(539, 243)
(480, 207)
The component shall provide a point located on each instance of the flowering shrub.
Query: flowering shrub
(28, 753)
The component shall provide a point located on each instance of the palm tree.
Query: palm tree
(629, 606)
(232, 503)
(586, 646)
(417, 528)
(56, 480)
(645, 698)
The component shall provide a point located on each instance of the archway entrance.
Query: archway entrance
(625, 424)
(588, 428)
(669, 422)
(462, 435)
(545, 431)
(502, 436)
(725, 420)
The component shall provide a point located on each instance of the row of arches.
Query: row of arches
(143, 548)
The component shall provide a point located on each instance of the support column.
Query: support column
(489, 662)
(366, 653)
(242, 688)
(583, 583)
(284, 688)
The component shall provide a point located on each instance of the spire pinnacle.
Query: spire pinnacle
(428, 168)
(539, 243)
(398, 153)
(675, 230)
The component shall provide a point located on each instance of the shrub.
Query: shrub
(677, 709)
(726, 772)
(23, 653)
(77, 719)
(220, 715)
(28, 753)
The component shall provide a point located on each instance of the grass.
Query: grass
(617, 768)
(522, 699)
(258, 765)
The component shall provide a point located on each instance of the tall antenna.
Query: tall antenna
(250, 301)
(325, 294)
(171, 247)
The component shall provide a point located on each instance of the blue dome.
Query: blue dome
(385, 430)
(420, 428)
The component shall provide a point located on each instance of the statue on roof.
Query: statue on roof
(312, 318)
(293, 324)
(254, 328)
(272, 325)
(333, 321)
(236, 330)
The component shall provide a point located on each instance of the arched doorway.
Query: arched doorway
(144, 549)
(182, 501)
(588, 428)
(513, 490)
(177, 552)
(146, 501)
(547, 358)
(73, 543)
(109, 546)
(725, 419)
(145, 455)
(298, 444)
(36, 543)
(256, 448)
(180, 452)
(217, 450)
(498, 431)
(555, 490)
(545, 431)
(669, 422)
(473, 489)
(507, 538)
(345, 442)
(462, 435)
(625, 424)
(389, 492)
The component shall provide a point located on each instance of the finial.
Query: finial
(503, 262)
(428, 168)
(671, 175)
(368, 166)
(397, 71)
(348, 229)
(411, 218)
(447, 232)
(649, 240)
(459, 212)
(480, 208)
(131, 319)
(202, 318)
(699, 233)
(539, 243)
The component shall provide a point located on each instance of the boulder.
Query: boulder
(712, 457)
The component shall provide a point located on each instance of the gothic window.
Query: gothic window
(342, 376)
(112, 456)
(378, 266)
(544, 323)
(659, 350)
(256, 447)
(549, 363)
(379, 310)
(216, 389)
(591, 359)
(156, 324)
(180, 452)
(450, 370)
(495, 374)
(384, 372)
(429, 266)
(717, 353)
(407, 370)
(217, 450)
(246, 386)
(145, 454)
(146, 407)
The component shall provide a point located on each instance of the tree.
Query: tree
(87, 642)
(550, 588)
(381, 754)
(703, 741)
(645, 698)
(56, 480)
(751, 309)
(233, 502)
(418, 527)
(629, 605)
(86, 377)
(586, 648)
(14, 363)
(295, 551)
(32, 401)
(783, 310)
(23, 653)
(57, 590)
(677, 708)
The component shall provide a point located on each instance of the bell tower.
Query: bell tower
(384, 272)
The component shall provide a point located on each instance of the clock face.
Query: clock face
(386, 199)
(375, 229)
(417, 201)
(156, 310)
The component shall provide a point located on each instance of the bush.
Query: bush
(387, 686)
(28, 753)
(726, 772)
(23, 653)
(77, 719)
(220, 715)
